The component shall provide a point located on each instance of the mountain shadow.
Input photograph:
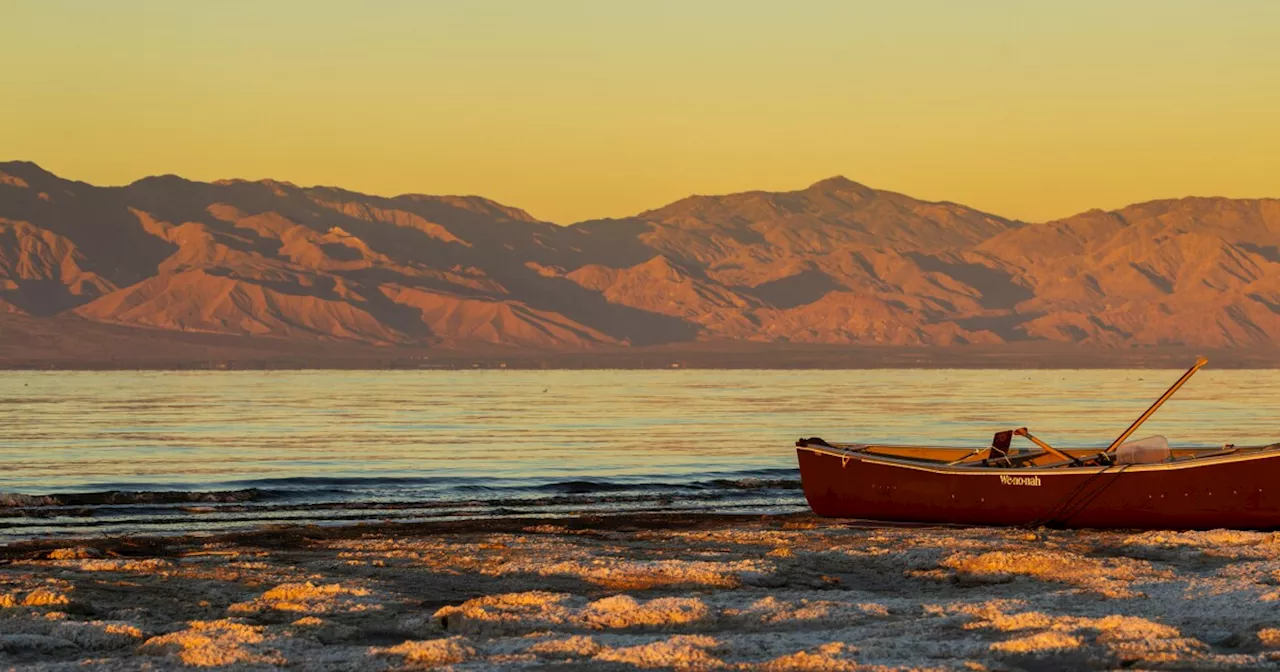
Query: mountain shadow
(997, 289)
(794, 290)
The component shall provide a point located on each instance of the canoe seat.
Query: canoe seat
(1000, 443)
(1151, 450)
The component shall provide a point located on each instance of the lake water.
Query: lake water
(88, 453)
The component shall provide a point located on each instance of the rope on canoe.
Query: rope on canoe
(1069, 507)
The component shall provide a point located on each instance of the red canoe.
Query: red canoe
(1141, 484)
(1196, 489)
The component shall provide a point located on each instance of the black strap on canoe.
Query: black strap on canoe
(1070, 506)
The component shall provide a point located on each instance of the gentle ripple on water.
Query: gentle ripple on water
(370, 445)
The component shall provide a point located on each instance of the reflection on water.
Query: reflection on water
(407, 437)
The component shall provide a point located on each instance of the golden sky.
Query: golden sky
(597, 108)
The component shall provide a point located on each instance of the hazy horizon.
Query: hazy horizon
(652, 206)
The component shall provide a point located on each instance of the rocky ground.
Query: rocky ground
(773, 593)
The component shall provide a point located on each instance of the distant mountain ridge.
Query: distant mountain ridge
(837, 262)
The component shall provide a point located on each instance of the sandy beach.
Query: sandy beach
(660, 591)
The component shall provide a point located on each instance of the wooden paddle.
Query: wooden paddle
(1200, 361)
(1022, 431)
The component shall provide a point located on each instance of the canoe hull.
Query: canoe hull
(1238, 491)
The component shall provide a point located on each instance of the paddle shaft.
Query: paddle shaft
(1156, 406)
(1046, 447)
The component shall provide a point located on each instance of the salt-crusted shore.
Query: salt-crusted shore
(666, 591)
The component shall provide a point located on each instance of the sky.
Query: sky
(583, 109)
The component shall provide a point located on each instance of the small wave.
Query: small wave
(755, 483)
(586, 487)
(759, 479)
(320, 482)
(18, 500)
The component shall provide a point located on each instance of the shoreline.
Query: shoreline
(298, 536)
(731, 357)
(63, 343)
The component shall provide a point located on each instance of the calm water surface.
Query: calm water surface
(118, 452)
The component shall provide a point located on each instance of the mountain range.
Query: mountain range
(835, 263)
